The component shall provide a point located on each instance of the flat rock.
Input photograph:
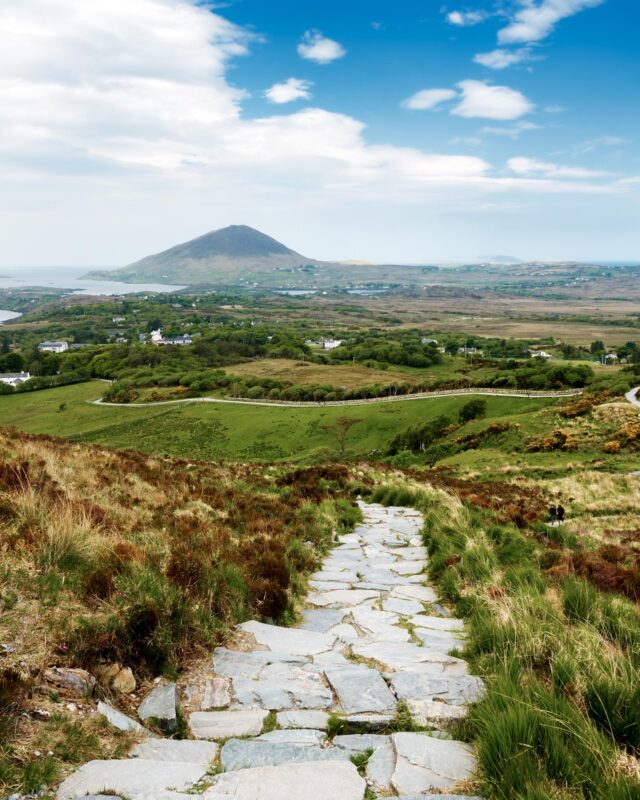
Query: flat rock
(368, 722)
(334, 781)
(361, 690)
(303, 719)
(161, 705)
(444, 641)
(118, 719)
(182, 751)
(423, 594)
(321, 620)
(305, 690)
(247, 753)
(432, 712)
(437, 623)
(289, 640)
(399, 606)
(440, 610)
(222, 724)
(235, 664)
(304, 737)
(217, 693)
(359, 742)
(399, 656)
(381, 766)
(343, 598)
(134, 778)
(425, 763)
(454, 689)
(124, 681)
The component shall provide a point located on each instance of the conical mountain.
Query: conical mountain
(223, 256)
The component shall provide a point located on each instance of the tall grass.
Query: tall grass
(561, 660)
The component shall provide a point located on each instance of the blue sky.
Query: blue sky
(409, 131)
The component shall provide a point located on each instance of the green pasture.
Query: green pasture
(236, 432)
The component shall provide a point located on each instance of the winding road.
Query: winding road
(319, 404)
(632, 397)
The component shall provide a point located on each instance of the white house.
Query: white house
(53, 347)
(329, 344)
(177, 340)
(14, 378)
(611, 357)
(426, 340)
(470, 351)
(156, 336)
(539, 354)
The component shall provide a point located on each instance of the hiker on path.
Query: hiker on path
(560, 514)
(552, 515)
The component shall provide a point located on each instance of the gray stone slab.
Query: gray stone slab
(118, 719)
(368, 722)
(399, 656)
(359, 742)
(246, 753)
(433, 713)
(381, 766)
(304, 737)
(288, 640)
(361, 690)
(222, 724)
(455, 690)
(437, 623)
(176, 750)
(321, 620)
(235, 664)
(334, 781)
(303, 719)
(329, 586)
(406, 607)
(306, 690)
(217, 693)
(444, 641)
(423, 594)
(161, 706)
(425, 763)
(342, 598)
(134, 778)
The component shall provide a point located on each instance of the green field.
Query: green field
(256, 433)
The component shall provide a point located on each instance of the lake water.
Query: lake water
(70, 278)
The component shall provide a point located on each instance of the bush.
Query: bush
(474, 409)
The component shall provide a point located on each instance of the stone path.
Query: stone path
(372, 636)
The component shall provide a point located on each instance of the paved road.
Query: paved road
(632, 397)
(393, 399)
(372, 636)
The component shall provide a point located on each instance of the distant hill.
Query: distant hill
(225, 256)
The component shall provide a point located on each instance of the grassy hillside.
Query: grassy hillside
(253, 433)
(120, 558)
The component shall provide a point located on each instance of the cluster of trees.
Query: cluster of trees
(384, 347)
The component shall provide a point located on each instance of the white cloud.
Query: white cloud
(599, 141)
(536, 20)
(114, 116)
(501, 59)
(316, 47)
(465, 19)
(511, 131)
(428, 98)
(288, 91)
(530, 167)
(480, 99)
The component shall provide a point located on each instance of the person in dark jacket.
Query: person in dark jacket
(560, 513)
(552, 514)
